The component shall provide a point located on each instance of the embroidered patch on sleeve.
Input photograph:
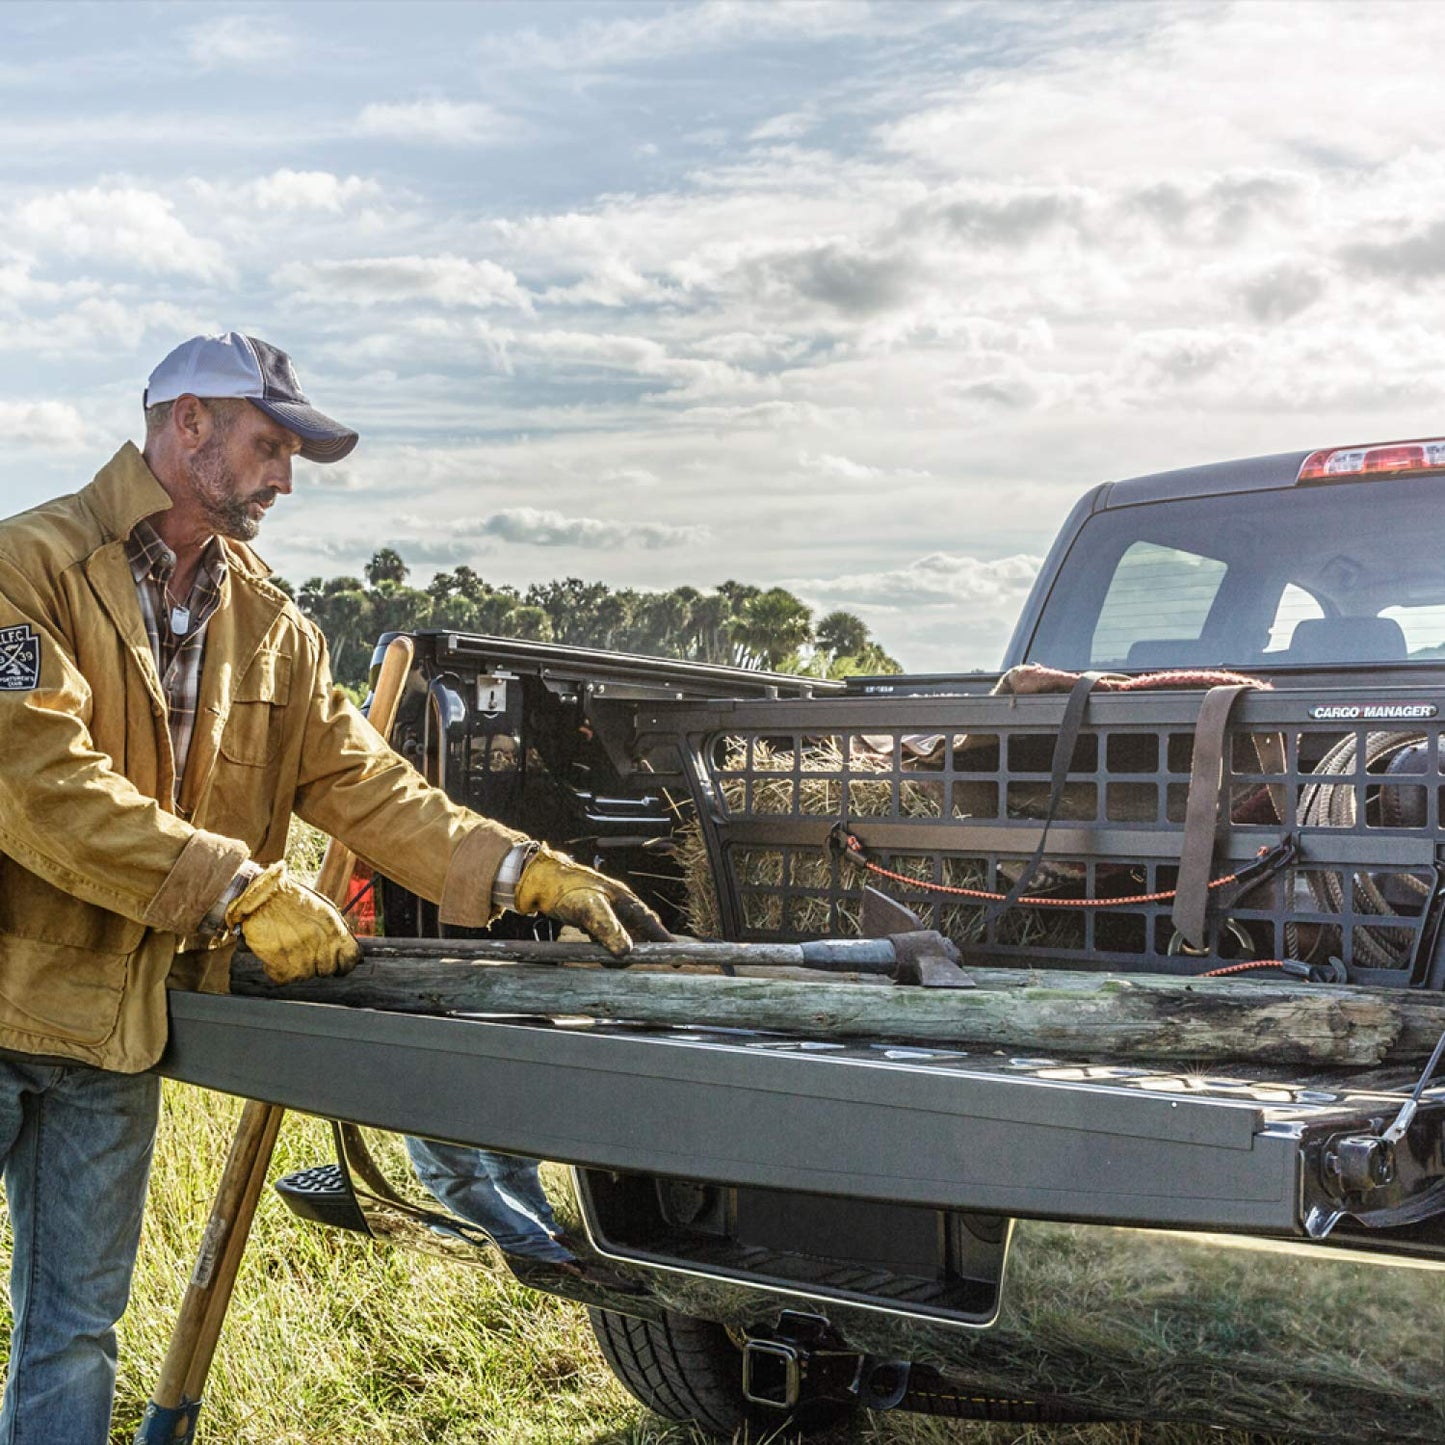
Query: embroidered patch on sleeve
(19, 659)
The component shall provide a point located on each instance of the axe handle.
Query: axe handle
(208, 1295)
(846, 955)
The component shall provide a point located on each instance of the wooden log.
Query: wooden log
(1066, 1012)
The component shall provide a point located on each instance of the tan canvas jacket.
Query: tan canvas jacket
(101, 875)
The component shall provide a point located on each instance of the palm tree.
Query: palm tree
(771, 627)
(661, 622)
(573, 605)
(712, 616)
(386, 566)
(396, 608)
(869, 661)
(842, 634)
(614, 619)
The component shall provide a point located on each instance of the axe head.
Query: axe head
(921, 957)
(883, 917)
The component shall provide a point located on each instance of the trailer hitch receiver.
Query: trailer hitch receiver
(800, 1358)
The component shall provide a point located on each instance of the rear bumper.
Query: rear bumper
(1297, 1338)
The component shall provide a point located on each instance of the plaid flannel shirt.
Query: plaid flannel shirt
(178, 656)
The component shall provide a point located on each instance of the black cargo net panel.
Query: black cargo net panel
(947, 820)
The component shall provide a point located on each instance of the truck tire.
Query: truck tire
(689, 1370)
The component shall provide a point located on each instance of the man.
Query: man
(163, 709)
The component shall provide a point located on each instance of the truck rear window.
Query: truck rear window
(1159, 592)
(1301, 576)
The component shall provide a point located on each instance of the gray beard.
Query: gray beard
(214, 485)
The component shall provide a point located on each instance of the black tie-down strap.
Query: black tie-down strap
(1064, 743)
(1201, 813)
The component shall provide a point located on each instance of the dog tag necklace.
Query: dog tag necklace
(180, 617)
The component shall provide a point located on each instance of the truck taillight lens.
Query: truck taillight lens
(1388, 458)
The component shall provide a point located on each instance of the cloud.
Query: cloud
(685, 377)
(611, 283)
(628, 477)
(1281, 292)
(844, 467)
(551, 529)
(1155, 91)
(287, 190)
(1003, 218)
(662, 32)
(1354, 363)
(1417, 257)
(942, 611)
(45, 425)
(121, 223)
(745, 347)
(446, 122)
(102, 326)
(333, 476)
(241, 41)
(767, 415)
(1221, 210)
(350, 550)
(1005, 393)
(1181, 355)
(446, 280)
(625, 353)
(792, 125)
(939, 578)
(844, 275)
(19, 287)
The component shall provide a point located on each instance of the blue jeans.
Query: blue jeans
(500, 1193)
(76, 1144)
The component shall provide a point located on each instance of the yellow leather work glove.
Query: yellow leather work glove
(601, 907)
(294, 931)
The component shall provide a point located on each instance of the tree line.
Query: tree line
(735, 623)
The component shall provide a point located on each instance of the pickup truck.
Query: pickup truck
(777, 1230)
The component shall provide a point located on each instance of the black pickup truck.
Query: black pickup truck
(778, 1229)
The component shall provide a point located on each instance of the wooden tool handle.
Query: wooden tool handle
(334, 876)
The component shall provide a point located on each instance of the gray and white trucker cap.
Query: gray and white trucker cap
(244, 366)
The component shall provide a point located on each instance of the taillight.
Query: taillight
(1388, 458)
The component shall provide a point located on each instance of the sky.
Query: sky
(855, 298)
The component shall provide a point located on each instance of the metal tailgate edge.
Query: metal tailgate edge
(939, 1128)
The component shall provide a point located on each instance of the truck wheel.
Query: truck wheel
(689, 1370)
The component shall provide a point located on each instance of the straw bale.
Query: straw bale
(818, 785)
